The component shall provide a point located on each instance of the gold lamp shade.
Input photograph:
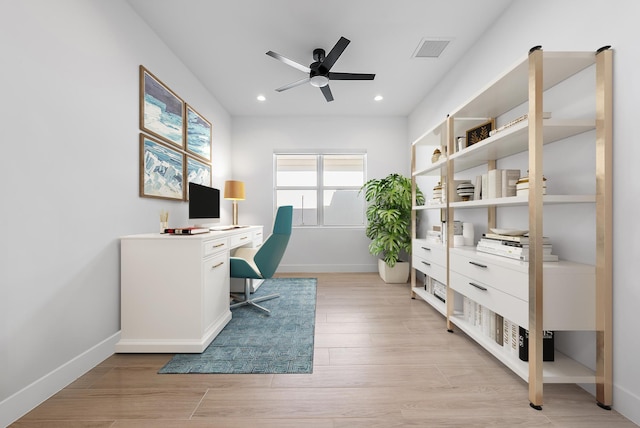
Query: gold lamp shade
(234, 191)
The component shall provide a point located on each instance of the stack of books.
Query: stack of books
(186, 231)
(513, 247)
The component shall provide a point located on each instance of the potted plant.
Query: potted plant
(389, 222)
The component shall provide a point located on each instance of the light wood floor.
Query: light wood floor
(381, 360)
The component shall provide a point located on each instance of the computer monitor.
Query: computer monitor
(204, 205)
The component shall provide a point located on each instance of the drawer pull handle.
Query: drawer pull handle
(244, 237)
(479, 287)
(425, 263)
(219, 245)
(217, 265)
(478, 264)
(426, 248)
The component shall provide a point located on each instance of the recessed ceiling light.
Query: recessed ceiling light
(261, 98)
(378, 98)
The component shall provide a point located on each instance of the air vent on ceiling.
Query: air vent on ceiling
(430, 48)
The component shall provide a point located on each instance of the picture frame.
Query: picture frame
(198, 136)
(161, 110)
(198, 172)
(480, 132)
(161, 170)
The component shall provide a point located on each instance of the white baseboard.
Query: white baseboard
(23, 401)
(328, 268)
(627, 404)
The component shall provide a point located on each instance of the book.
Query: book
(477, 190)
(547, 345)
(186, 231)
(510, 246)
(509, 179)
(484, 193)
(499, 333)
(494, 183)
(524, 257)
(521, 238)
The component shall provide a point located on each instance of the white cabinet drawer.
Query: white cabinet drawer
(484, 270)
(429, 251)
(508, 306)
(241, 239)
(257, 237)
(214, 246)
(434, 270)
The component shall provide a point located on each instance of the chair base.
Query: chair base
(249, 301)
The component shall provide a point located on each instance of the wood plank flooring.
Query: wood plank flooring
(381, 360)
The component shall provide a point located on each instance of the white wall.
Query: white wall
(70, 157)
(573, 25)
(315, 249)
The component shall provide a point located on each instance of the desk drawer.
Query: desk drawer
(508, 306)
(434, 270)
(241, 239)
(510, 281)
(431, 252)
(257, 237)
(214, 246)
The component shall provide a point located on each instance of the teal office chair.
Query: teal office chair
(262, 262)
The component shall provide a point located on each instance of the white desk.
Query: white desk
(175, 289)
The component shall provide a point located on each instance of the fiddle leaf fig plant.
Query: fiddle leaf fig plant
(389, 215)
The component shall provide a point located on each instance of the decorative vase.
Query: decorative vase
(436, 155)
(437, 193)
(399, 274)
(522, 186)
(465, 190)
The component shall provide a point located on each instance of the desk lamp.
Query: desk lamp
(234, 191)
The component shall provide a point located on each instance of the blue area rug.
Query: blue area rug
(255, 342)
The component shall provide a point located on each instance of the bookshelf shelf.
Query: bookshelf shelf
(562, 370)
(524, 200)
(521, 89)
(437, 304)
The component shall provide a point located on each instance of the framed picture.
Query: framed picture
(479, 133)
(198, 134)
(197, 172)
(161, 170)
(161, 110)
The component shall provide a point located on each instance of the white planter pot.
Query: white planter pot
(399, 274)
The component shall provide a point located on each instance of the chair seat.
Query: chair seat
(247, 255)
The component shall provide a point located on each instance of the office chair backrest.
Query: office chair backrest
(270, 253)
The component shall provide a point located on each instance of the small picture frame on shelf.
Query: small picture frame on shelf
(479, 133)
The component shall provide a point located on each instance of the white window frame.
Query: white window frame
(320, 187)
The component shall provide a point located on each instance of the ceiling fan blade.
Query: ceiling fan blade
(351, 76)
(335, 53)
(326, 91)
(293, 85)
(289, 62)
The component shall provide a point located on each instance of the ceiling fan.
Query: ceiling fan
(320, 70)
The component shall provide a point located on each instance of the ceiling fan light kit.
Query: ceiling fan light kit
(320, 70)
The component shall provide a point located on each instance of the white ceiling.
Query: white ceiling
(224, 43)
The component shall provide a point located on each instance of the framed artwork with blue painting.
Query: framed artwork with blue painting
(198, 172)
(161, 110)
(161, 170)
(198, 134)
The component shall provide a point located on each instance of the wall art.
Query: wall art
(161, 110)
(197, 172)
(161, 170)
(198, 134)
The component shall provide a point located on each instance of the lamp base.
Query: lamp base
(235, 213)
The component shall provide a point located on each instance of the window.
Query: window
(331, 181)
